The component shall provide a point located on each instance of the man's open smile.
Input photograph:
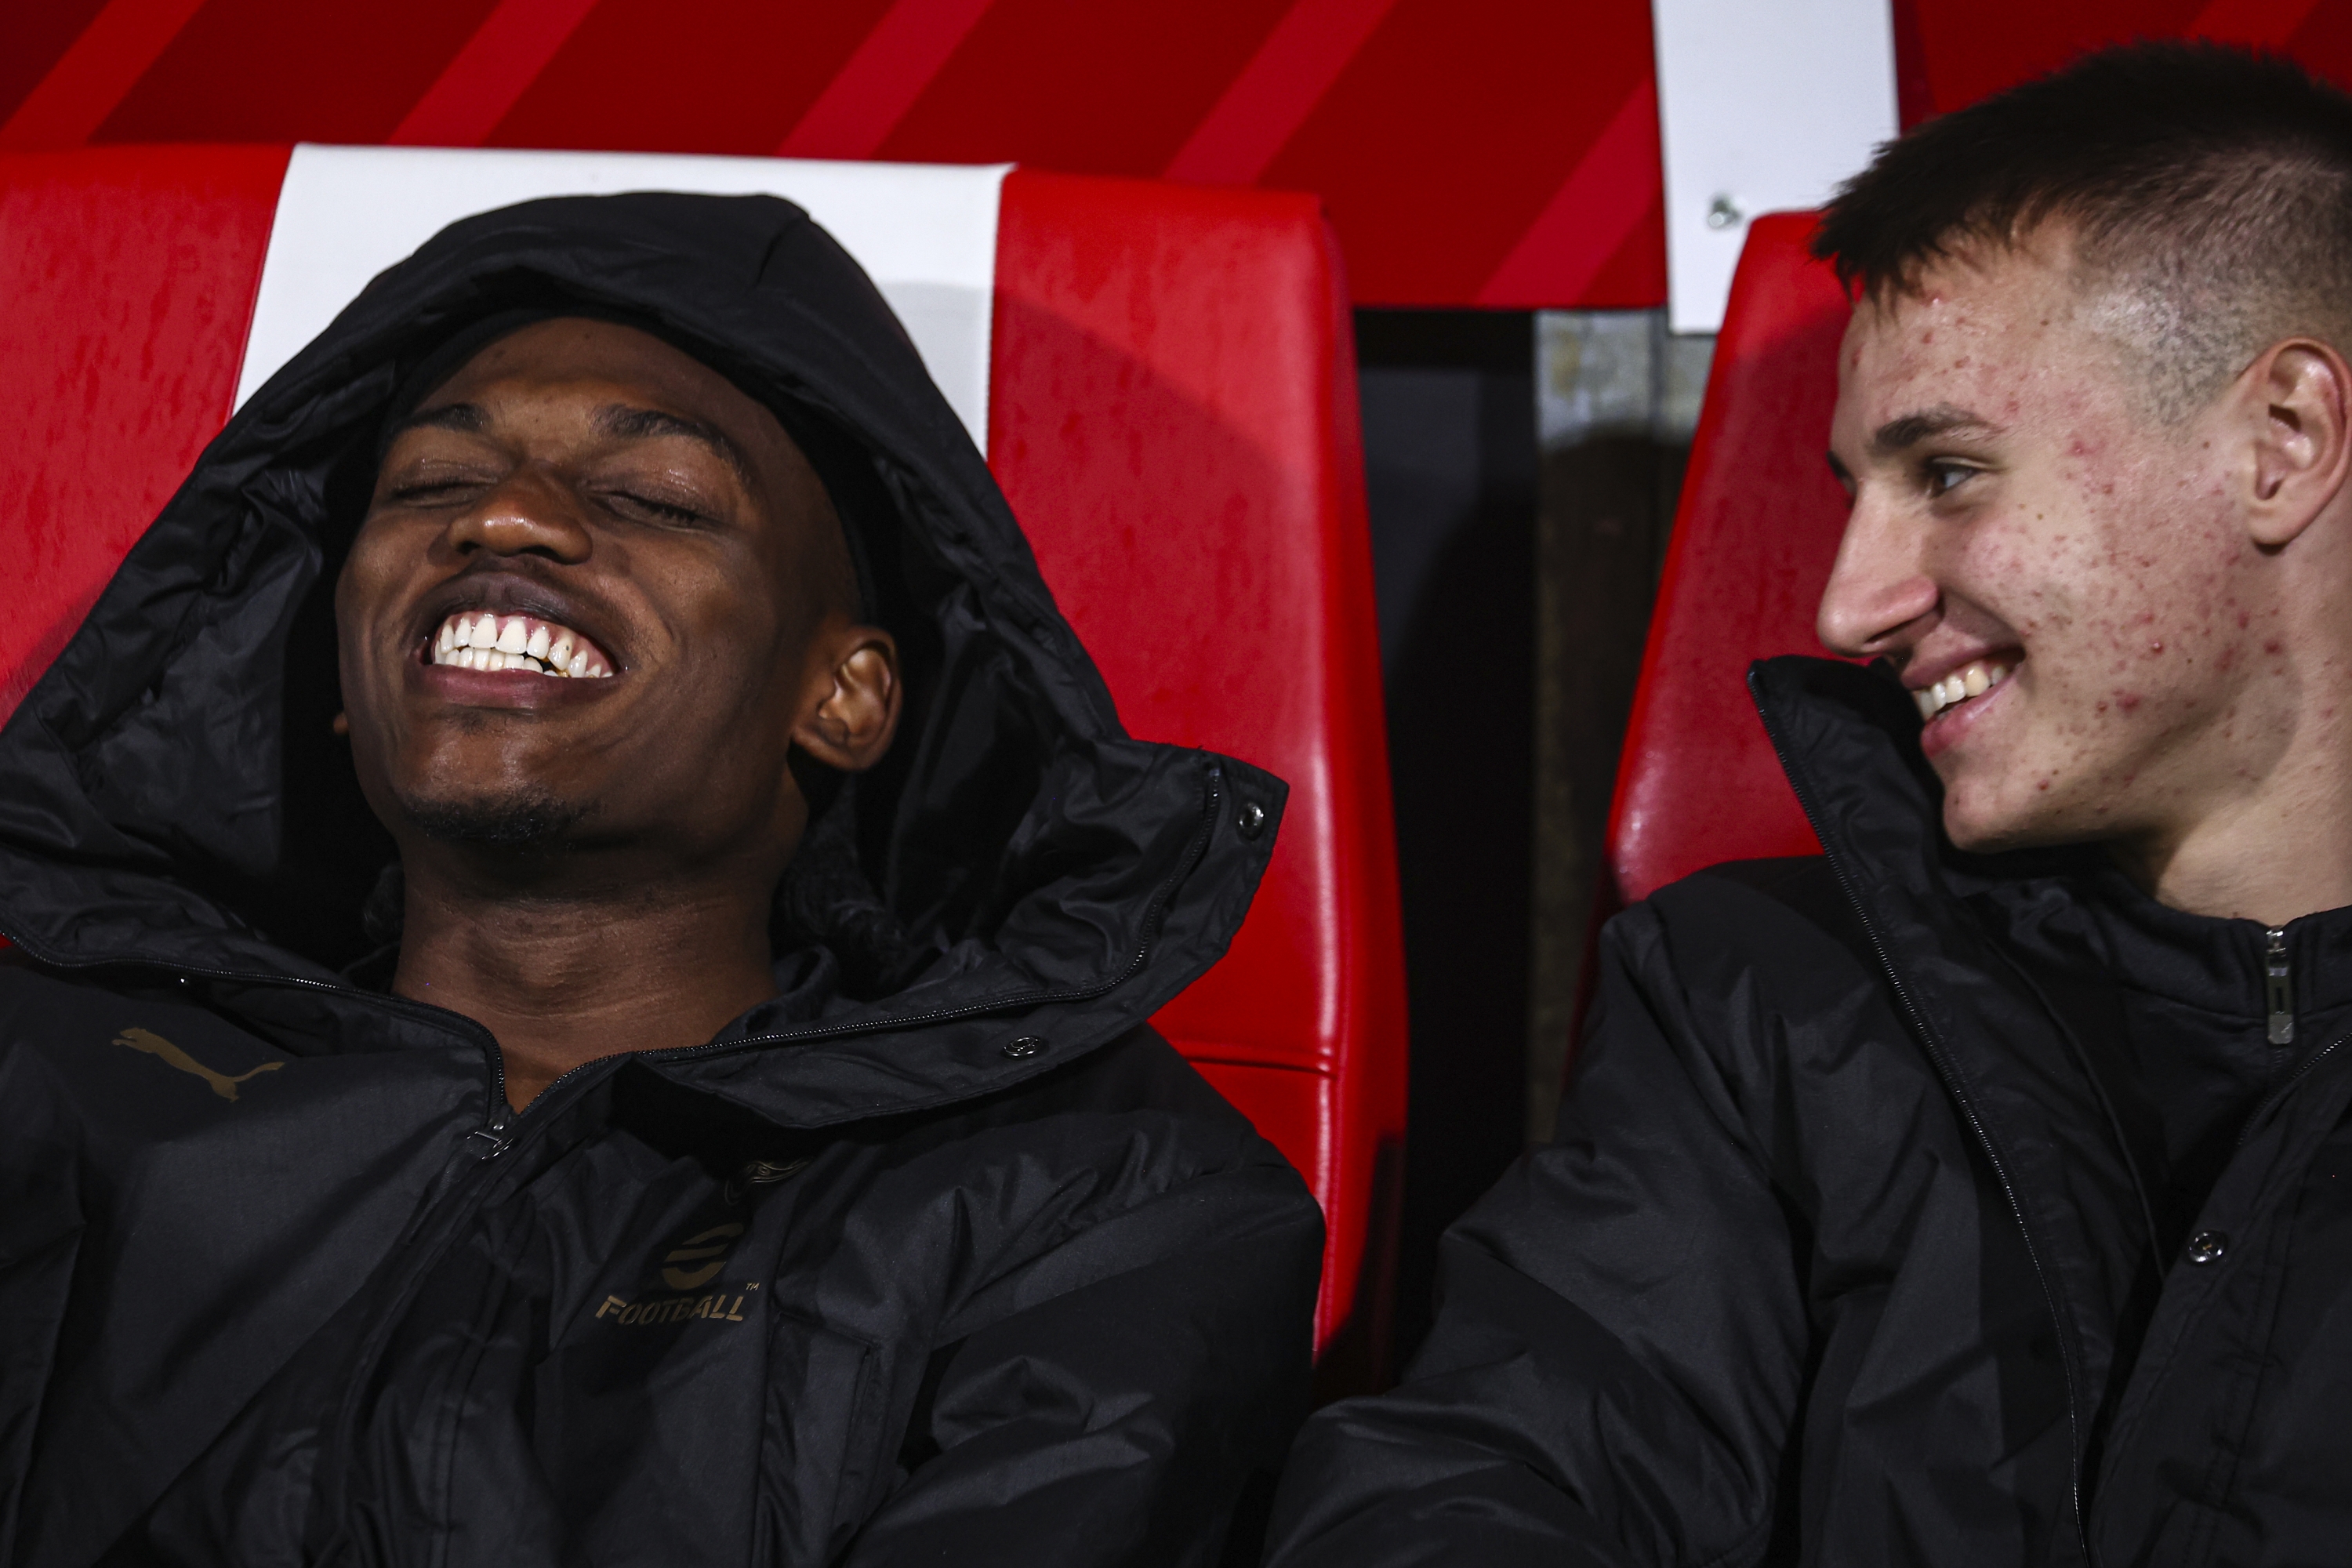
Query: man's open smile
(1972, 680)
(527, 644)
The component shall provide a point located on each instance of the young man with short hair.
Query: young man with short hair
(734, 1135)
(1981, 1192)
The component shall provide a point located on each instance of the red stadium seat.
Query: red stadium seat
(1752, 546)
(1173, 415)
(127, 278)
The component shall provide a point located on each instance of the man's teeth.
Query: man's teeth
(1961, 685)
(484, 641)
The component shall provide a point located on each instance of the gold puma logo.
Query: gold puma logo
(155, 1044)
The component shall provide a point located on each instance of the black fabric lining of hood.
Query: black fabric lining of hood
(170, 794)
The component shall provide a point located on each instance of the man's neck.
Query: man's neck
(565, 974)
(2273, 855)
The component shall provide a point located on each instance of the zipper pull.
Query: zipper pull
(2278, 989)
(489, 1142)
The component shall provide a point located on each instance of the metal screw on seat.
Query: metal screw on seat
(1027, 1045)
(1249, 819)
(2208, 1246)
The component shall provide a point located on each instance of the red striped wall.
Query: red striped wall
(1952, 52)
(1498, 152)
(1493, 151)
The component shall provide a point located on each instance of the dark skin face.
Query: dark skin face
(589, 860)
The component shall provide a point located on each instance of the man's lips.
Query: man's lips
(526, 644)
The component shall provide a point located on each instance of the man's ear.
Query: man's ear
(854, 697)
(2296, 396)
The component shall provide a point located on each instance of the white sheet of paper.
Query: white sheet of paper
(1768, 106)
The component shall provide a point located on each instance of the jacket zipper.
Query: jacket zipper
(2278, 999)
(1800, 786)
(2287, 1085)
(2278, 987)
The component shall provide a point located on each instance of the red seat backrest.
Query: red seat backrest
(1753, 542)
(127, 278)
(1172, 414)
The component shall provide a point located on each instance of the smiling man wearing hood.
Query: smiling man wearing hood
(583, 936)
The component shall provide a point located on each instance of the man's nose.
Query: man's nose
(1879, 597)
(532, 512)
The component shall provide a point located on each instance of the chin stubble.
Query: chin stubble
(523, 822)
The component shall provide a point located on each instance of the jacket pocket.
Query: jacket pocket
(821, 1448)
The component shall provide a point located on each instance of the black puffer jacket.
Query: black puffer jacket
(976, 1270)
(1850, 1247)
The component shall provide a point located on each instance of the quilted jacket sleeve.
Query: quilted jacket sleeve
(1122, 1398)
(1621, 1340)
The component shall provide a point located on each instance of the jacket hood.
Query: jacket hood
(171, 794)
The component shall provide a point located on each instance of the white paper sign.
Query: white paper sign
(1764, 105)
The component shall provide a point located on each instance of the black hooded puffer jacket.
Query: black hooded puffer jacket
(1850, 1248)
(975, 1269)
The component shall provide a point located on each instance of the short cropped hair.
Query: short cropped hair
(2207, 189)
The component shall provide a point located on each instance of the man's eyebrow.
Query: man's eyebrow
(1900, 435)
(639, 424)
(463, 416)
